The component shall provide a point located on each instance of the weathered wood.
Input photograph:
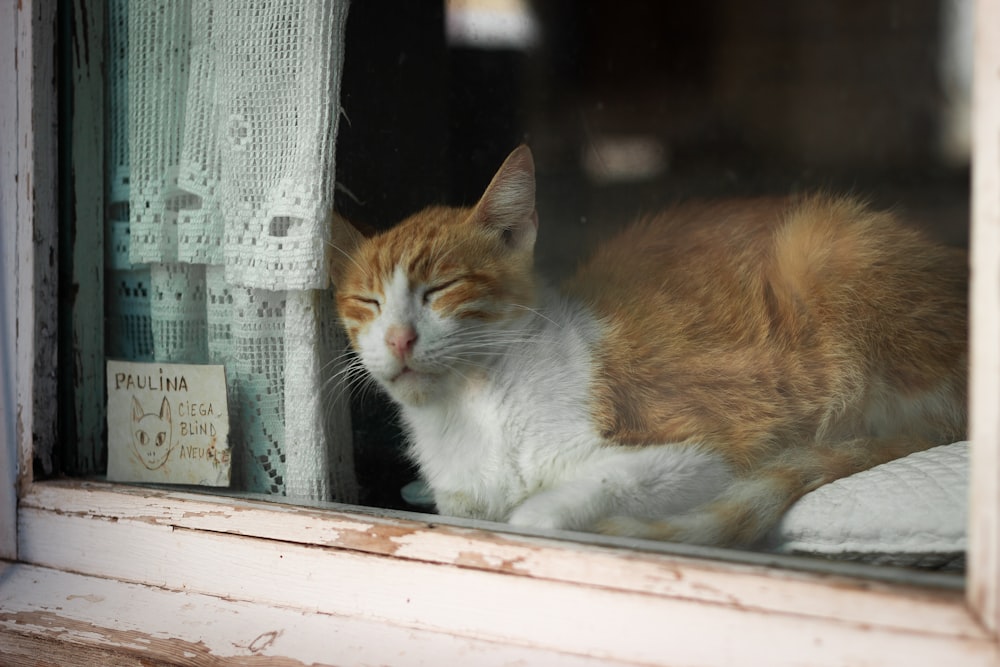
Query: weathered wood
(30, 650)
(85, 295)
(80, 620)
(744, 585)
(8, 278)
(984, 509)
(605, 622)
(28, 196)
(37, 245)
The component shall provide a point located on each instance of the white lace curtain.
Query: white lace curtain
(223, 131)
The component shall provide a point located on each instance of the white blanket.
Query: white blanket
(908, 512)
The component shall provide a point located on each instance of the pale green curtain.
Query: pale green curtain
(225, 120)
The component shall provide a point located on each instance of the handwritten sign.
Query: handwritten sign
(168, 423)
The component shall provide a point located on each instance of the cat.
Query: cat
(700, 373)
(152, 434)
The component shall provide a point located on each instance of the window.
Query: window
(156, 573)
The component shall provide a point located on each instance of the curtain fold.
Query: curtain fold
(232, 111)
(129, 332)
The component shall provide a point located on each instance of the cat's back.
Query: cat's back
(746, 311)
(676, 253)
(799, 255)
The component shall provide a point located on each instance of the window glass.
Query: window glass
(628, 108)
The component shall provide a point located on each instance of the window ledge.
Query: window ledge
(75, 619)
(475, 586)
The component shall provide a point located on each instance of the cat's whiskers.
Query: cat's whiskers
(491, 328)
(538, 313)
(343, 381)
(497, 337)
(350, 257)
(350, 376)
(487, 344)
(461, 361)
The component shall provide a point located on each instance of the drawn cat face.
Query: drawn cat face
(151, 434)
(426, 302)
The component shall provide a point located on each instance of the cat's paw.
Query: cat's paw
(557, 509)
(626, 526)
(534, 515)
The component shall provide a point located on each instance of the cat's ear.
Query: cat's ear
(165, 409)
(344, 240)
(137, 412)
(508, 205)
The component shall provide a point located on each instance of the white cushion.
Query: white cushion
(908, 512)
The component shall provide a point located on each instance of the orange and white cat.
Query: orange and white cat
(704, 370)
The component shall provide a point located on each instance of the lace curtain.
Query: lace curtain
(221, 176)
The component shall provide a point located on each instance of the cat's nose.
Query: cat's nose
(401, 340)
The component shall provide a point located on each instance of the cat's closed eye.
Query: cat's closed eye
(367, 301)
(438, 288)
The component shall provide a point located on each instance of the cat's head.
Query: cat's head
(427, 303)
(151, 434)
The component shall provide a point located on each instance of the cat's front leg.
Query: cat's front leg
(575, 505)
(489, 505)
(650, 483)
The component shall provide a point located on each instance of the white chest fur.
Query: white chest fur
(522, 426)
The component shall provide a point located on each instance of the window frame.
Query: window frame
(84, 563)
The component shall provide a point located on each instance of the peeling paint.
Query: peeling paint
(463, 551)
(65, 633)
(739, 587)
(263, 641)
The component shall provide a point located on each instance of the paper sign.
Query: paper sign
(168, 423)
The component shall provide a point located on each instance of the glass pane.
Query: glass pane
(629, 109)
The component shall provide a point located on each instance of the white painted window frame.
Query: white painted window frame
(91, 571)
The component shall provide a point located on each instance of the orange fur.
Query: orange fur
(752, 323)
